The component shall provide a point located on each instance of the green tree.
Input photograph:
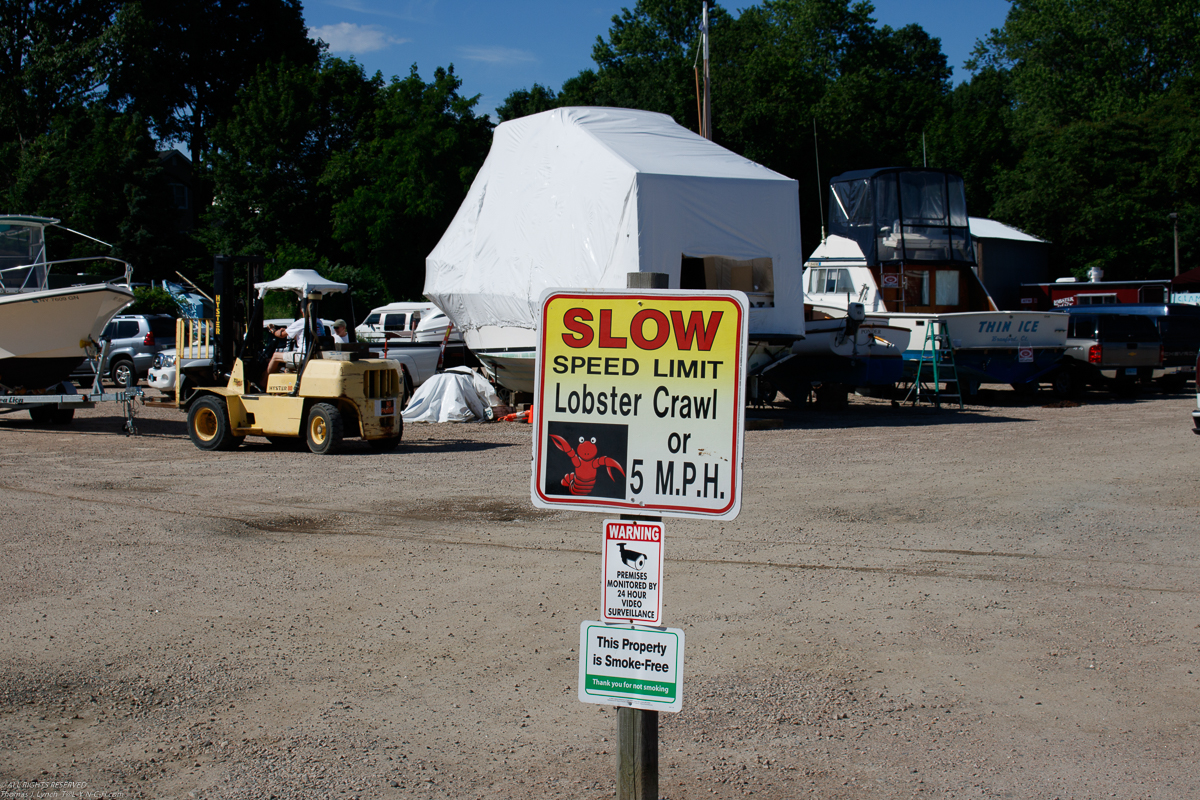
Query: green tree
(976, 136)
(98, 170)
(1103, 98)
(185, 61)
(524, 102)
(54, 56)
(1075, 60)
(399, 189)
(270, 154)
(1101, 191)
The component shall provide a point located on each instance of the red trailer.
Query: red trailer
(1069, 292)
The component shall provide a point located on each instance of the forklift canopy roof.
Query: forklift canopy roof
(301, 281)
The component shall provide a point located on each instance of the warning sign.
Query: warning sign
(633, 568)
(639, 402)
(631, 666)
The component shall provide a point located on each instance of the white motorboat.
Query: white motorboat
(900, 246)
(45, 329)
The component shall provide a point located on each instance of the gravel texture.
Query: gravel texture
(999, 602)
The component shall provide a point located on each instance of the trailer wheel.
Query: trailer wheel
(208, 425)
(324, 429)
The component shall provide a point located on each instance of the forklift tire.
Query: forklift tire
(208, 425)
(324, 429)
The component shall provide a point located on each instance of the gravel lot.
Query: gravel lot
(998, 602)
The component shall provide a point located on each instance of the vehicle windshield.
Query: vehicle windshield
(1127, 328)
(20, 247)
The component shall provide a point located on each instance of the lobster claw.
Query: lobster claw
(561, 444)
(605, 461)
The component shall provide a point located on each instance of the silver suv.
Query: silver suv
(135, 340)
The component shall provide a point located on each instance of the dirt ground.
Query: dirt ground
(994, 603)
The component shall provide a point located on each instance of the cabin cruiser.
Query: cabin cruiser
(47, 324)
(900, 246)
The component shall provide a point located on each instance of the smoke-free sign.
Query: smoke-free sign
(639, 402)
(633, 569)
(635, 667)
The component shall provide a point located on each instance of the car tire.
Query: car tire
(1065, 384)
(323, 430)
(123, 373)
(209, 427)
(1173, 384)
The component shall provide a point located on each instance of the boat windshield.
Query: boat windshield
(22, 257)
(903, 215)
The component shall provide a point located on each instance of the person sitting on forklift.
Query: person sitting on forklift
(297, 333)
(339, 331)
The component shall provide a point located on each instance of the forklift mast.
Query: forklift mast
(238, 315)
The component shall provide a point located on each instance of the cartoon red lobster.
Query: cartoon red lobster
(587, 465)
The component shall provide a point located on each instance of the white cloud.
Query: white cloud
(497, 55)
(346, 37)
(413, 11)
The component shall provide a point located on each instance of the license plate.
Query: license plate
(1131, 370)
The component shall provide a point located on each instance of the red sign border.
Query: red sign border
(605, 504)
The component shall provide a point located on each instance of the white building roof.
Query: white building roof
(991, 229)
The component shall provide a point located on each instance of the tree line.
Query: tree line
(1078, 124)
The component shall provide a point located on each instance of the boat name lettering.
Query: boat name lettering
(695, 331)
(1023, 326)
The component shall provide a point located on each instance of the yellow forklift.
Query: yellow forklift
(327, 391)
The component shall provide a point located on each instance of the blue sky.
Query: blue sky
(497, 48)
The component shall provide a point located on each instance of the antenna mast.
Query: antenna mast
(707, 116)
(820, 198)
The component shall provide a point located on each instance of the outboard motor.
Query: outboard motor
(856, 313)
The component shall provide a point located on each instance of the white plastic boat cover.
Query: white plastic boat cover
(576, 198)
(456, 395)
(301, 281)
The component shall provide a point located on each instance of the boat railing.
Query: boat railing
(35, 277)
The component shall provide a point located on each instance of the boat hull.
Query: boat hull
(44, 334)
(508, 355)
(1011, 347)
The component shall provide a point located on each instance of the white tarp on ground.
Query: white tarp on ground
(456, 395)
(578, 197)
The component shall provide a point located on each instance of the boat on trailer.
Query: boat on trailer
(47, 323)
(899, 244)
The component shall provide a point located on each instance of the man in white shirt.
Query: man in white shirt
(339, 331)
(297, 333)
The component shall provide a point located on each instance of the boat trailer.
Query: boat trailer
(58, 408)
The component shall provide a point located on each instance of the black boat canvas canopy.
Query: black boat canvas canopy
(903, 215)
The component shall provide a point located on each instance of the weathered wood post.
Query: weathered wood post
(637, 729)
